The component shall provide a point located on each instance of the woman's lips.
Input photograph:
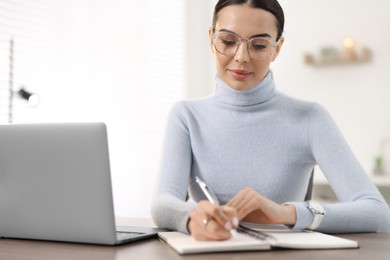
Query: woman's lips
(240, 74)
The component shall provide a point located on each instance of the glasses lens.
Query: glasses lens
(260, 48)
(226, 43)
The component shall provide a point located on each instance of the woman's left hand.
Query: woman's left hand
(255, 208)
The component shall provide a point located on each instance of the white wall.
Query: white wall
(356, 95)
(117, 61)
(199, 70)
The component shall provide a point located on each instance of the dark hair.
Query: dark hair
(271, 6)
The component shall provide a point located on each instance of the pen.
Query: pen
(211, 197)
(207, 191)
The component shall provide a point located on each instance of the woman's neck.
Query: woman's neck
(259, 93)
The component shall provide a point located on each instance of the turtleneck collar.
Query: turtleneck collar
(259, 93)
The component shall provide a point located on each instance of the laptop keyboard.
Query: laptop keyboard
(126, 235)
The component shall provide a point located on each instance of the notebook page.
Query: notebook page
(309, 240)
(281, 236)
(185, 244)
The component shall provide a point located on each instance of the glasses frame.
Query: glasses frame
(248, 40)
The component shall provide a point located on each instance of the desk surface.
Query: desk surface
(372, 246)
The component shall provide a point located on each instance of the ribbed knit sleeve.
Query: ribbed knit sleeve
(170, 208)
(361, 207)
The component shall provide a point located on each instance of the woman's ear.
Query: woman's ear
(277, 49)
(211, 40)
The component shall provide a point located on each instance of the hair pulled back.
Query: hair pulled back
(271, 6)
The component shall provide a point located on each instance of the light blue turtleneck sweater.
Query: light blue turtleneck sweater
(265, 140)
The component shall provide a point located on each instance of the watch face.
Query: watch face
(316, 207)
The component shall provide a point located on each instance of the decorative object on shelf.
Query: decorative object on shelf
(382, 160)
(349, 54)
(379, 169)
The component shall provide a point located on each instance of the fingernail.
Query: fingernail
(235, 221)
(228, 226)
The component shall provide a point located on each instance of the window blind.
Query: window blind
(117, 61)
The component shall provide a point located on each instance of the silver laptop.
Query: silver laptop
(55, 185)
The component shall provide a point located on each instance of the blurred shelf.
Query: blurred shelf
(377, 180)
(340, 62)
(322, 191)
(349, 54)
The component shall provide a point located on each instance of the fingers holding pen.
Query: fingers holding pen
(231, 214)
(222, 215)
(212, 222)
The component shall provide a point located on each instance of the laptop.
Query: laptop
(55, 184)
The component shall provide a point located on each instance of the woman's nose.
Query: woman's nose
(242, 53)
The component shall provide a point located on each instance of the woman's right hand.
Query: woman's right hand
(212, 222)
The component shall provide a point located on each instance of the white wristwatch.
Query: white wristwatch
(318, 212)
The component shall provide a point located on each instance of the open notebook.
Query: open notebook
(250, 239)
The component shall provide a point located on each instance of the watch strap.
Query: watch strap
(318, 214)
(316, 221)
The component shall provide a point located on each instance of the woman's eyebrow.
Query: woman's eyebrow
(253, 36)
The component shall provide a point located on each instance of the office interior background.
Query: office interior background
(126, 62)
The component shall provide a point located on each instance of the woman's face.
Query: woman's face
(240, 71)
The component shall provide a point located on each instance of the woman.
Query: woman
(256, 147)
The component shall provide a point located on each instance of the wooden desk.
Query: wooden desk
(372, 246)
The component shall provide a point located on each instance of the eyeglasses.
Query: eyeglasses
(227, 43)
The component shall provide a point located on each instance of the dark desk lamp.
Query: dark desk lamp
(32, 98)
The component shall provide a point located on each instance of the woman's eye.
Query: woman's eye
(228, 42)
(259, 47)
